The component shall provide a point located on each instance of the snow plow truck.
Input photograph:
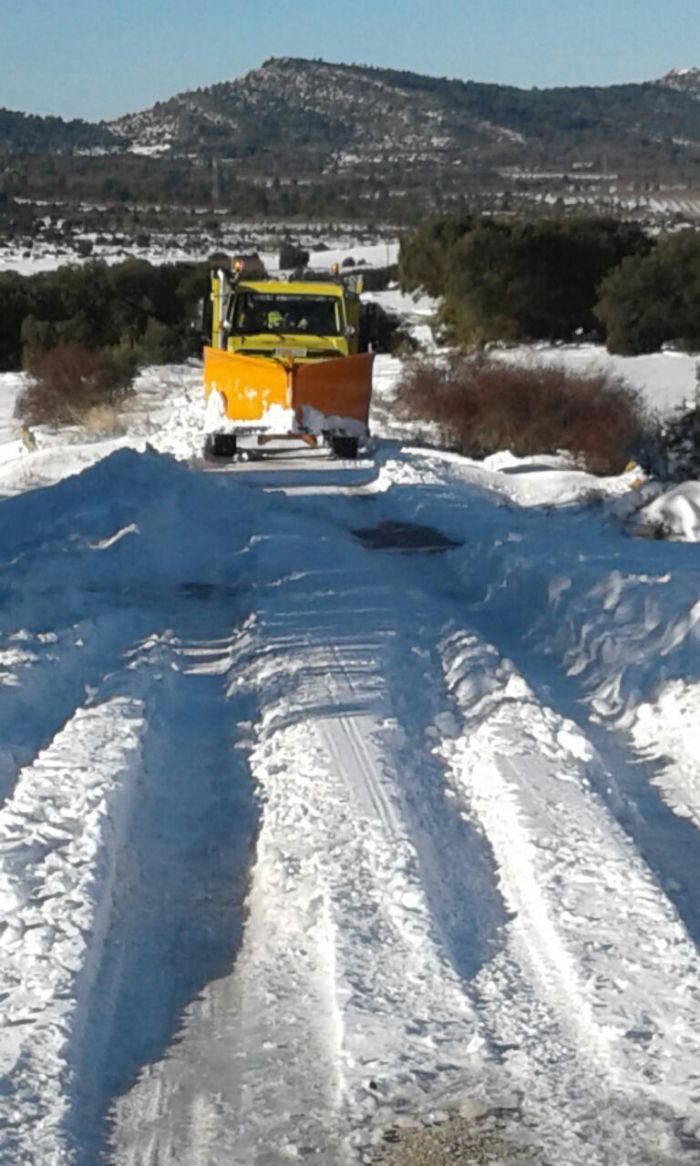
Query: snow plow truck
(283, 368)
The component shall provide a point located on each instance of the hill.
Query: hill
(349, 118)
(307, 137)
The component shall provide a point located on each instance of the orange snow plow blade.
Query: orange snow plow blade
(337, 388)
(251, 385)
(340, 387)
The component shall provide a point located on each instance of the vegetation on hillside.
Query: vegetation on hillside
(374, 195)
(315, 139)
(32, 134)
(295, 117)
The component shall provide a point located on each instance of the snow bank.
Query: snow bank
(675, 513)
(666, 730)
(619, 616)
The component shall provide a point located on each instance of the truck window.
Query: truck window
(256, 312)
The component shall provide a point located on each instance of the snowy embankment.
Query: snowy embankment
(303, 841)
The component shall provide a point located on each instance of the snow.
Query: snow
(302, 841)
(54, 896)
(29, 255)
(675, 512)
(669, 728)
(313, 421)
(417, 311)
(664, 380)
(10, 385)
(367, 254)
(529, 775)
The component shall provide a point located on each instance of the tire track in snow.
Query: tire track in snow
(56, 880)
(175, 919)
(588, 1081)
(627, 782)
(398, 1010)
(102, 942)
(410, 795)
(46, 677)
(608, 997)
(349, 744)
(254, 1070)
(587, 1061)
(343, 1009)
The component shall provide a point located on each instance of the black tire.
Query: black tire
(345, 447)
(220, 446)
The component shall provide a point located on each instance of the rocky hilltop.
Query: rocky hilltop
(308, 115)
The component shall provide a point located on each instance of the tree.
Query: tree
(101, 307)
(653, 299)
(518, 280)
(292, 256)
(14, 307)
(425, 255)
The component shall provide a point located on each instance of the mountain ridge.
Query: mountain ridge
(352, 132)
(224, 105)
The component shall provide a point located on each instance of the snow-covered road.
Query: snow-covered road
(306, 838)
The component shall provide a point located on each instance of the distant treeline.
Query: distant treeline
(148, 313)
(125, 180)
(520, 280)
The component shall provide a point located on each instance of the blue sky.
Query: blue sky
(97, 60)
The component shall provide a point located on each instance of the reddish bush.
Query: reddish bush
(482, 405)
(67, 382)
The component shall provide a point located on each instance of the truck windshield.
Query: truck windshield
(256, 312)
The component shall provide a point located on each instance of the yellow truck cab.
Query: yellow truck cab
(283, 364)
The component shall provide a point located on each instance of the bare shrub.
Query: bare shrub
(67, 382)
(104, 421)
(482, 405)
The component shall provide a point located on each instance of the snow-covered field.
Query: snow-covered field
(665, 380)
(337, 798)
(31, 256)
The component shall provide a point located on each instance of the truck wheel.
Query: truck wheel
(344, 447)
(220, 445)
